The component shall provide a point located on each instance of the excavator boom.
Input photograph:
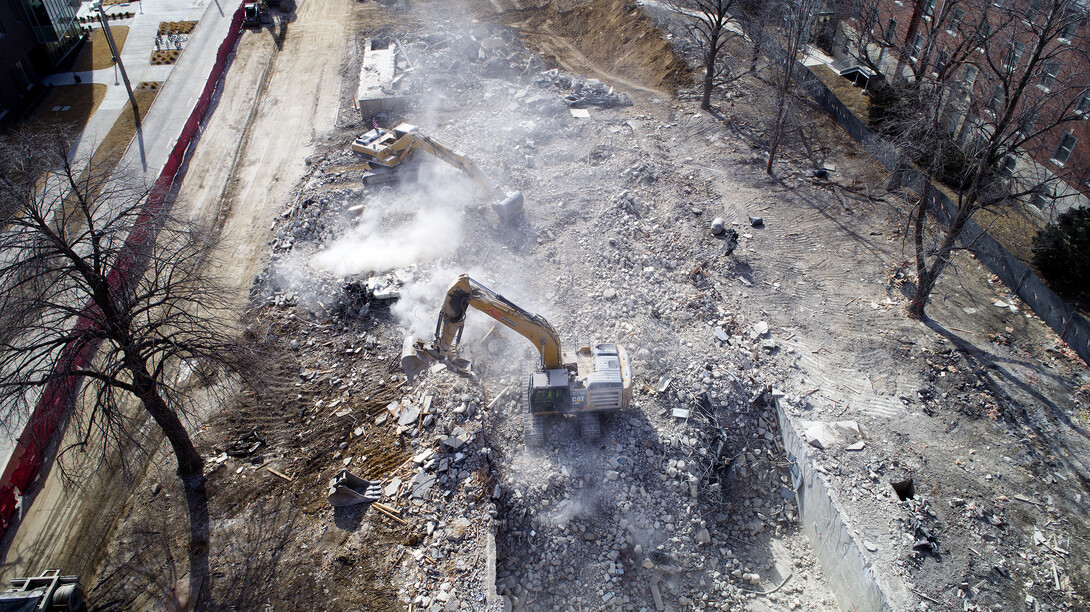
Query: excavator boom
(465, 293)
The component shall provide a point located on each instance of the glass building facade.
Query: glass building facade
(54, 24)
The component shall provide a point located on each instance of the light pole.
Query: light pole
(117, 58)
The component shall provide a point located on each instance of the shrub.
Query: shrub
(883, 98)
(1061, 251)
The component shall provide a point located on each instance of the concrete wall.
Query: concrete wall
(855, 583)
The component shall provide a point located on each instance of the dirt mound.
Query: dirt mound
(615, 36)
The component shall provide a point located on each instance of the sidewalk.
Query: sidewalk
(183, 80)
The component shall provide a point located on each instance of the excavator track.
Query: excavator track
(534, 425)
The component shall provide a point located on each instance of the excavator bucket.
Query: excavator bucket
(414, 359)
(509, 209)
(417, 356)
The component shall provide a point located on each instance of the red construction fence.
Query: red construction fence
(45, 422)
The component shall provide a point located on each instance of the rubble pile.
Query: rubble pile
(423, 450)
(582, 93)
(655, 515)
(447, 489)
(687, 501)
(678, 504)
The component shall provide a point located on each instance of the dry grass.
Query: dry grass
(1014, 228)
(109, 151)
(850, 95)
(116, 2)
(71, 105)
(96, 53)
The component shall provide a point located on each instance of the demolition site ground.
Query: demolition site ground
(977, 415)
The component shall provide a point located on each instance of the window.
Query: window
(19, 75)
(1033, 9)
(1027, 120)
(1043, 195)
(970, 76)
(954, 25)
(1068, 31)
(1048, 74)
(891, 31)
(917, 46)
(1082, 107)
(929, 7)
(1064, 148)
(942, 61)
(982, 34)
(1008, 166)
(1014, 55)
(995, 101)
(16, 10)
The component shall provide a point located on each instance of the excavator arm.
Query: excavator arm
(459, 161)
(466, 292)
(463, 294)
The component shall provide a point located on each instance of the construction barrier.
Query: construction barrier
(49, 415)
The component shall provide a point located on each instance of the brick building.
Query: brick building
(1021, 67)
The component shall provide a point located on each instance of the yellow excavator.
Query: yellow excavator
(593, 380)
(388, 148)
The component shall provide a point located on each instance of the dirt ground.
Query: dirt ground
(980, 405)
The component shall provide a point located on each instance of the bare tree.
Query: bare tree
(712, 31)
(98, 288)
(981, 99)
(795, 29)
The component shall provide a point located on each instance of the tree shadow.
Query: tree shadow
(200, 579)
(985, 364)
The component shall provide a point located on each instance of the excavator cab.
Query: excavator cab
(389, 148)
(550, 392)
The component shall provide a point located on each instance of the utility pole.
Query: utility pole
(117, 59)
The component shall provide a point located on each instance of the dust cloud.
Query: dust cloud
(398, 227)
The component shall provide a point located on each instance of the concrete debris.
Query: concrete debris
(407, 415)
(583, 93)
(824, 435)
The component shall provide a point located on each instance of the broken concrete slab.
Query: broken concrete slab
(409, 415)
(377, 89)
